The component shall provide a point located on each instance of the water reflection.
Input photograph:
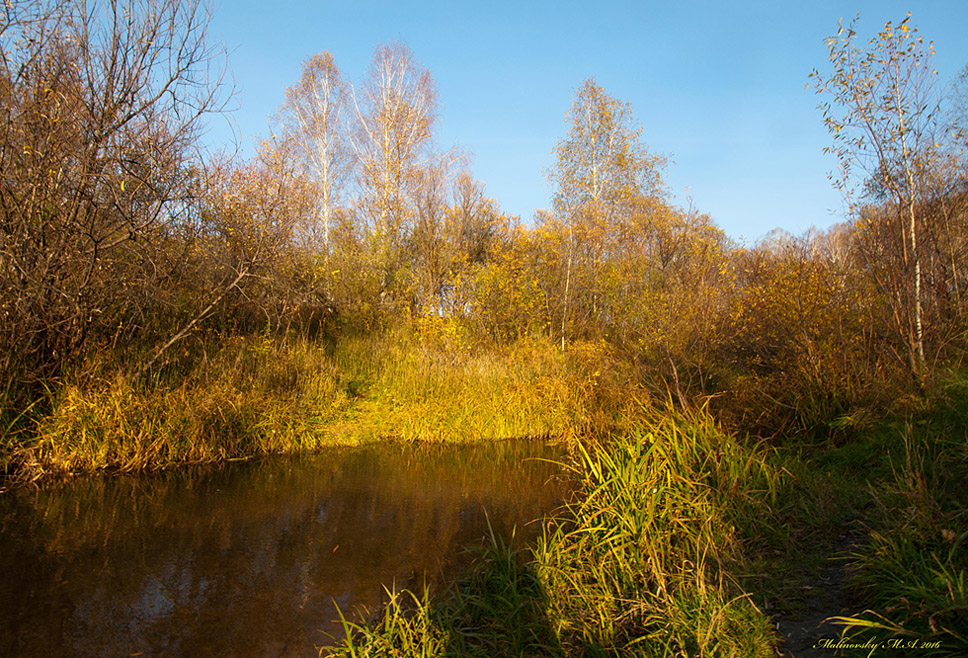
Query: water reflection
(248, 559)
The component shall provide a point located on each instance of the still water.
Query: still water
(252, 559)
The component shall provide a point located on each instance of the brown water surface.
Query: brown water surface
(251, 559)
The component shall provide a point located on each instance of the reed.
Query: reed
(644, 568)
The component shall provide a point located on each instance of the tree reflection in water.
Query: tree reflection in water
(251, 559)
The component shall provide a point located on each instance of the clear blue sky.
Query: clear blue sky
(718, 87)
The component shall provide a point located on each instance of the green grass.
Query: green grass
(913, 573)
(897, 490)
(646, 566)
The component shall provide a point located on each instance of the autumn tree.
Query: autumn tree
(396, 107)
(513, 289)
(234, 249)
(882, 112)
(458, 229)
(600, 165)
(803, 336)
(100, 110)
(395, 110)
(315, 118)
(661, 291)
(602, 161)
(428, 247)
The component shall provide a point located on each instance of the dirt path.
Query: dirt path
(823, 595)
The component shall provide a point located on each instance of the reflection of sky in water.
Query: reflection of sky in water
(248, 560)
(154, 601)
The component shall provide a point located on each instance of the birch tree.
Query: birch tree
(314, 118)
(881, 110)
(600, 165)
(396, 107)
(602, 161)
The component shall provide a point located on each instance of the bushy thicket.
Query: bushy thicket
(120, 240)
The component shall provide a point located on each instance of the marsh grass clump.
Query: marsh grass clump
(643, 565)
(426, 390)
(249, 397)
(117, 427)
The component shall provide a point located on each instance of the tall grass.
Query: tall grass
(644, 566)
(418, 390)
(639, 565)
(246, 396)
(913, 573)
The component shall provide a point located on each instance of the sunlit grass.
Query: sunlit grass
(645, 567)
(416, 391)
(248, 396)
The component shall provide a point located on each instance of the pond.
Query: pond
(251, 559)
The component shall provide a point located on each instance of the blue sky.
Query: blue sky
(718, 87)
